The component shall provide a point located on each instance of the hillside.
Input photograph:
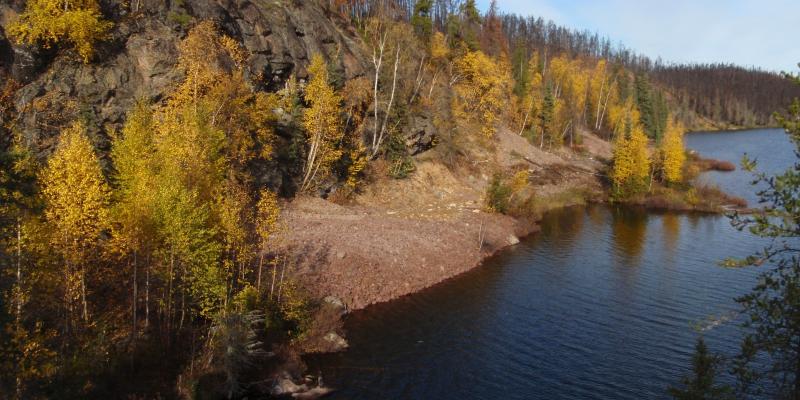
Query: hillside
(196, 186)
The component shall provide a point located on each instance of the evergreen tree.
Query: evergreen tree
(470, 25)
(701, 385)
(520, 70)
(546, 115)
(421, 19)
(773, 306)
(645, 103)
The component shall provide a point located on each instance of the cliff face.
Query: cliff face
(139, 59)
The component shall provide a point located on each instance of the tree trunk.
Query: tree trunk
(280, 285)
(418, 80)
(135, 295)
(19, 300)
(377, 61)
(83, 295)
(260, 268)
(541, 138)
(183, 309)
(169, 288)
(599, 104)
(147, 295)
(274, 272)
(433, 83)
(377, 146)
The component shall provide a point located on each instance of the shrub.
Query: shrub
(498, 195)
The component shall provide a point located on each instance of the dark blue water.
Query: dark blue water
(604, 303)
(771, 148)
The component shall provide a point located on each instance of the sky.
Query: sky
(763, 33)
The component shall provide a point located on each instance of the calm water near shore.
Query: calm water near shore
(604, 303)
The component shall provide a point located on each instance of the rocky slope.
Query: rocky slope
(139, 59)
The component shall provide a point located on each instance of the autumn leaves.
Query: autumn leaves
(184, 211)
(78, 22)
(635, 166)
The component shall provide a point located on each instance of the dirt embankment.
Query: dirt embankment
(401, 236)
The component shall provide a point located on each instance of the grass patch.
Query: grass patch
(535, 206)
(707, 164)
(702, 198)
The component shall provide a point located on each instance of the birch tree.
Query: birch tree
(322, 124)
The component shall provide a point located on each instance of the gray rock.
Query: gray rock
(337, 342)
(312, 394)
(285, 386)
(334, 301)
(512, 240)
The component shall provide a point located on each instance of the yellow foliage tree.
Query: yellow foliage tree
(481, 89)
(133, 213)
(268, 213)
(439, 48)
(322, 124)
(532, 96)
(631, 159)
(673, 155)
(48, 22)
(77, 199)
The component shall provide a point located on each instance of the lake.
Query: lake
(604, 303)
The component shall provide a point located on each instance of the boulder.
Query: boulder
(337, 343)
(286, 387)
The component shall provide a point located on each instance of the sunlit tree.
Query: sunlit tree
(322, 124)
(77, 199)
(48, 22)
(480, 90)
(673, 153)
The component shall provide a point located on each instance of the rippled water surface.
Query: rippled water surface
(604, 303)
(771, 148)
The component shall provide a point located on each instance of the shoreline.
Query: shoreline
(403, 236)
(732, 129)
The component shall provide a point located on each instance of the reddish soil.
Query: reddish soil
(365, 256)
(400, 236)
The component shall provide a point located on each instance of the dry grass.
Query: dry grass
(533, 207)
(709, 164)
(698, 198)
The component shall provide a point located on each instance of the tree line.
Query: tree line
(723, 93)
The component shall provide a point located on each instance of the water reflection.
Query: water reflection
(629, 232)
(563, 227)
(671, 228)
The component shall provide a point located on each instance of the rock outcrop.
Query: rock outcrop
(138, 61)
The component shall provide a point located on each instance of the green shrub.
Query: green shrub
(498, 195)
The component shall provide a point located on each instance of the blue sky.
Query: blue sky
(762, 33)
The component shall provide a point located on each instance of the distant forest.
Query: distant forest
(725, 94)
